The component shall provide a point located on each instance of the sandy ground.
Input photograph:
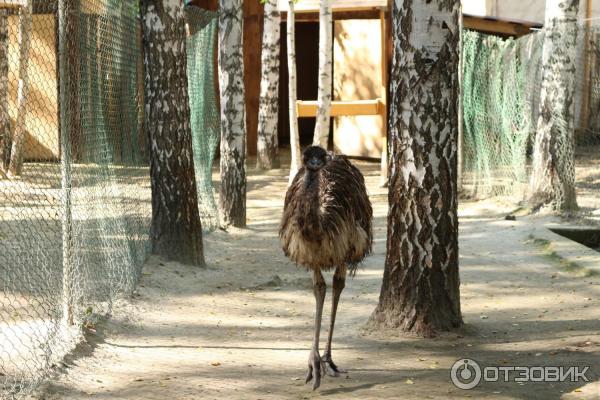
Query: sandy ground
(241, 328)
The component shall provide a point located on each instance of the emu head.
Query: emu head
(314, 158)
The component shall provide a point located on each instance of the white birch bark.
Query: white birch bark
(269, 89)
(321, 134)
(420, 290)
(176, 230)
(293, 97)
(16, 155)
(553, 174)
(232, 198)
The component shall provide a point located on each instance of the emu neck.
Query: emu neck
(311, 205)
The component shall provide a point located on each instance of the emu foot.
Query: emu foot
(314, 369)
(330, 368)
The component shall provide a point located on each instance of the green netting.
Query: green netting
(74, 221)
(499, 112)
(502, 88)
(201, 42)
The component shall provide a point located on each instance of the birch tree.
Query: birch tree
(176, 231)
(420, 290)
(553, 175)
(18, 137)
(268, 106)
(5, 136)
(293, 96)
(321, 134)
(232, 198)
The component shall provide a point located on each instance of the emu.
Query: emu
(326, 225)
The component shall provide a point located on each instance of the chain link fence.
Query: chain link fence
(74, 181)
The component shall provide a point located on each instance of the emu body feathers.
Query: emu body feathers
(327, 216)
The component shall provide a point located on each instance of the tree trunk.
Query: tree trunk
(16, 153)
(553, 175)
(321, 135)
(292, 88)
(5, 136)
(267, 156)
(232, 198)
(420, 290)
(176, 231)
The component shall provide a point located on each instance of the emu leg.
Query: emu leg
(339, 282)
(314, 360)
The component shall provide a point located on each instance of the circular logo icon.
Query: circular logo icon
(465, 374)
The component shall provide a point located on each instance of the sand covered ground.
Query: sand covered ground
(241, 328)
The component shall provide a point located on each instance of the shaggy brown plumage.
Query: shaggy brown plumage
(327, 216)
(326, 224)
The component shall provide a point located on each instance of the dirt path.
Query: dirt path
(235, 331)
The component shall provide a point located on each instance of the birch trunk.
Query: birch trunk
(553, 175)
(176, 231)
(420, 290)
(232, 198)
(293, 97)
(5, 136)
(16, 154)
(321, 135)
(267, 157)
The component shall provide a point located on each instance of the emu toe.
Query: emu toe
(330, 368)
(314, 369)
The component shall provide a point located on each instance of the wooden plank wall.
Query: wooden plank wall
(358, 76)
(253, 27)
(41, 123)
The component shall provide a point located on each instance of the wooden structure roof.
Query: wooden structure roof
(499, 26)
(311, 6)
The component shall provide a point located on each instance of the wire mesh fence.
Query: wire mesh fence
(74, 186)
(502, 85)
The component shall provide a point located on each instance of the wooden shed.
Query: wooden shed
(360, 60)
(362, 57)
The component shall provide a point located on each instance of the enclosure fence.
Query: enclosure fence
(502, 82)
(75, 188)
(204, 112)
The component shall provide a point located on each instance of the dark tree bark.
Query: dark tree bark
(420, 290)
(5, 136)
(553, 174)
(176, 231)
(232, 197)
